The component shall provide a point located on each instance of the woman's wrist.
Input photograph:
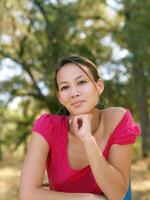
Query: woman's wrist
(89, 140)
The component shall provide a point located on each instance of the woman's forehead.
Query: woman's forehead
(71, 71)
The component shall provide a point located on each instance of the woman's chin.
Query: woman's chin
(80, 112)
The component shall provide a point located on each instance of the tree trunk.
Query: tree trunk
(142, 107)
(1, 154)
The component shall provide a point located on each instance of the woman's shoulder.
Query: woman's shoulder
(49, 116)
(47, 125)
(48, 119)
(120, 125)
(111, 117)
(114, 113)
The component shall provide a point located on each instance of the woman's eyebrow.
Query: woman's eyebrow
(74, 79)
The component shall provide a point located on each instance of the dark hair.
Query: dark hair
(79, 61)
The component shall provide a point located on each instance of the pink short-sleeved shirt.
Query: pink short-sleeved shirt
(54, 129)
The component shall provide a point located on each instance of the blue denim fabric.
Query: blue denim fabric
(129, 193)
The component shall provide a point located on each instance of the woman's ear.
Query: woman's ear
(100, 85)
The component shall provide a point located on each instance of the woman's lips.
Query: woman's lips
(77, 103)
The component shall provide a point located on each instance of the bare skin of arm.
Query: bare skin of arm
(33, 174)
(111, 175)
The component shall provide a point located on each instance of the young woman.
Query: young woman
(87, 152)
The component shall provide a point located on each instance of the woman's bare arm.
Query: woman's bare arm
(113, 175)
(33, 174)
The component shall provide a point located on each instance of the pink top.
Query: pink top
(54, 129)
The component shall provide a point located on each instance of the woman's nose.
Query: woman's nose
(74, 92)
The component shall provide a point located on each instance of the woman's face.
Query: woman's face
(76, 91)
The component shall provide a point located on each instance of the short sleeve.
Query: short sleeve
(44, 126)
(127, 131)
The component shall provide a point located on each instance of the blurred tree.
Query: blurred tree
(133, 34)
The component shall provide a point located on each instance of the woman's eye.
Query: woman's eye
(81, 82)
(64, 88)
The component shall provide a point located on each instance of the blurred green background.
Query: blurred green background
(36, 34)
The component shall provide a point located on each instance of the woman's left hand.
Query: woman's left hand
(81, 126)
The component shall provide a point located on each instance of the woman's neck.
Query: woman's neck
(96, 118)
